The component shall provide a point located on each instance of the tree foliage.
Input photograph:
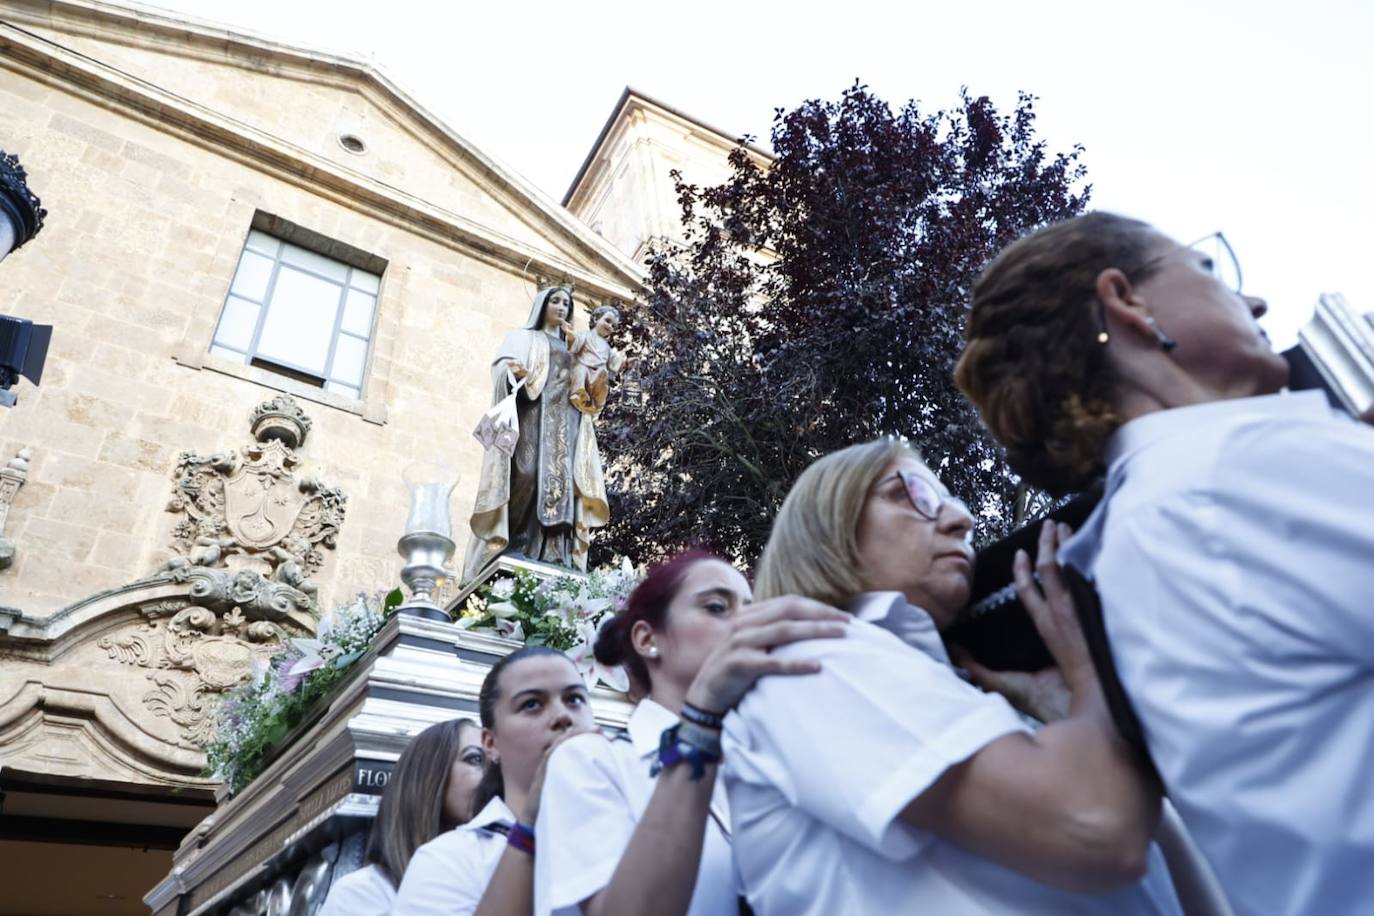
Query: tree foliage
(820, 302)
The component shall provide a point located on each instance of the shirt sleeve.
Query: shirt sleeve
(854, 744)
(1296, 510)
(584, 826)
(442, 879)
(364, 892)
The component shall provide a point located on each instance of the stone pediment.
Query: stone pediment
(306, 101)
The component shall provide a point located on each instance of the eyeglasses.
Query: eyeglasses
(925, 499)
(1219, 259)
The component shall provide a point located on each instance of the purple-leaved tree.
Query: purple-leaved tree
(817, 303)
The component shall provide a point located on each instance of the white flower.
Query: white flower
(592, 671)
(502, 610)
(465, 621)
(503, 588)
(311, 656)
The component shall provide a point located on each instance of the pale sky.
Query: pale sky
(1249, 117)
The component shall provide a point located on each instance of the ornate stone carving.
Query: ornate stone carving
(282, 419)
(252, 510)
(12, 477)
(196, 649)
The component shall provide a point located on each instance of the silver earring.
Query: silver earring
(653, 652)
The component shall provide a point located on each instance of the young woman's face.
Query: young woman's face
(541, 697)
(930, 562)
(1220, 342)
(712, 592)
(465, 774)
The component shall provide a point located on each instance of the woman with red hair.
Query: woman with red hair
(639, 824)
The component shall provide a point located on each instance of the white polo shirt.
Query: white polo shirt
(595, 792)
(449, 874)
(819, 768)
(363, 892)
(1234, 554)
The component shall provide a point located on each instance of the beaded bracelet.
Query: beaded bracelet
(521, 837)
(703, 717)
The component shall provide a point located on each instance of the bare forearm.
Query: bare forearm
(1067, 806)
(511, 889)
(658, 871)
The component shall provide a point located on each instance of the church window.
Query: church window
(299, 313)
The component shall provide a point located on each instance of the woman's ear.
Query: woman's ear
(1123, 309)
(489, 746)
(643, 640)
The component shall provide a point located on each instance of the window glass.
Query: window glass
(315, 263)
(237, 324)
(261, 241)
(251, 279)
(357, 317)
(350, 355)
(368, 283)
(299, 313)
(300, 321)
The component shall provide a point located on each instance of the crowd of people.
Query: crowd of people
(807, 746)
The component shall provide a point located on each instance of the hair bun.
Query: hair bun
(611, 646)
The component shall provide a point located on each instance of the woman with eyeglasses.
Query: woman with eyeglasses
(888, 784)
(1233, 550)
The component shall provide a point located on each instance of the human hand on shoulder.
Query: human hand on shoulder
(744, 655)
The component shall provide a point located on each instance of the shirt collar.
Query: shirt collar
(912, 625)
(646, 726)
(1151, 428)
(495, 811)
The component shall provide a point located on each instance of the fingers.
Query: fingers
(790, 607)
(757, 664)
(785, 631)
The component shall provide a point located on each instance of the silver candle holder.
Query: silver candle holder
(427, 545)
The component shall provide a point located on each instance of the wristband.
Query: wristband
(521, 837)
(686, 743)
(703, 717)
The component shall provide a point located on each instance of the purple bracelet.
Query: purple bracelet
(521, 837)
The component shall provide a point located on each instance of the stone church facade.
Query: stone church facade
(275, 280)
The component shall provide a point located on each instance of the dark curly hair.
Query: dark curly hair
(1032, 363)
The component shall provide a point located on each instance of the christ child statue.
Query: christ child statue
(595, 361)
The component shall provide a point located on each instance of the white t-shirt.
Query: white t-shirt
(819, 768)
(364, 892)
(449, 874)
(1234, 555)
(595, 792)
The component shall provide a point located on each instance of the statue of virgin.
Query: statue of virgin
(543, 500)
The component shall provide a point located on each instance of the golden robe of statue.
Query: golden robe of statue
(543, 501)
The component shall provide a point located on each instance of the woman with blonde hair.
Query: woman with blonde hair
(1231, 550)
(886, 783)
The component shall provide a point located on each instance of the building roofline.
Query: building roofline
(147, 19)
(625, 96)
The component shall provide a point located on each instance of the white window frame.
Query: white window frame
(251, 356)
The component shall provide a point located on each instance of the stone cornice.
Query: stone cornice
(48, 61)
